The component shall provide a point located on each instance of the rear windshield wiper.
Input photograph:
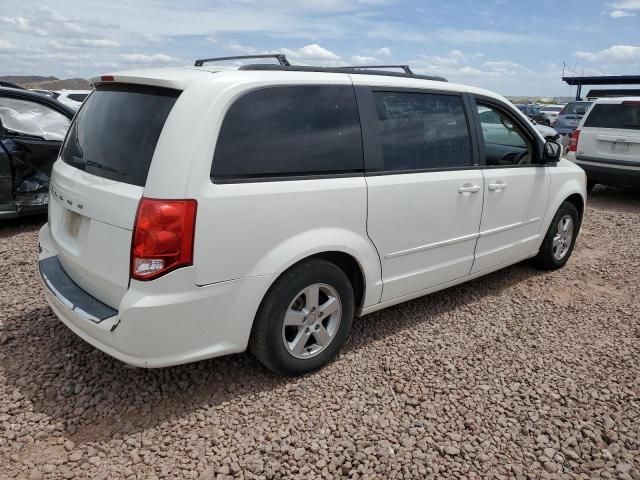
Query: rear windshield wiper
(100, 166)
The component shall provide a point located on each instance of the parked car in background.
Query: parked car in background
(606, 143)
(32, 128)
(551, 112)
(491, 121)
(48, 93)
(534, 113)
(72, 98)
(307, 196)
(570, 116)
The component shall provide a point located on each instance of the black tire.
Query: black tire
(545, 258)
(266, 341)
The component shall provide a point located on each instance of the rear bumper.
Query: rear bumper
(610, 172)
(168, 321)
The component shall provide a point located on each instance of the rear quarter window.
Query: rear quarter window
(290, 131)
(114, 134)
(625, 116)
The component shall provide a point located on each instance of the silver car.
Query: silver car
(570, 116)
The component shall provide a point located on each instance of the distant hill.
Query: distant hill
(47, 83)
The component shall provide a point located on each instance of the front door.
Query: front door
(516, 191)
(425, 199)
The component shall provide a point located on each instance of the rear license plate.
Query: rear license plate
(620, 147)
(72, 223)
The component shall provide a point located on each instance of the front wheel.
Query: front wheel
(560, 239)
(304, 319)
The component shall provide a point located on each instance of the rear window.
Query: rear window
(116, 131)
(290, 131)
(621, 116)
(576, 108)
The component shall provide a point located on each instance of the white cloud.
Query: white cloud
(360, 60)
(144, 59)
(23, 25)
(94, 42)
(627, 4)
(620, 14)
(613, 54)
(312, 53)
(6, 45)
(621, 8)
(386, 51)
(484, 36)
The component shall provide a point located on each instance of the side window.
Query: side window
(422, 131)
(285, 131)
(504, 142)
(25, 117)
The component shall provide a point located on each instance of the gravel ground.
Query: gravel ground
(521, 374)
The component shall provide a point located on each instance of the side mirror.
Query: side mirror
(552, 152)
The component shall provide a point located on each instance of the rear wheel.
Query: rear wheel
(304, 319)
(560, 239)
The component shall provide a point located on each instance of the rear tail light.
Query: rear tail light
(162, 237)
(573, 144)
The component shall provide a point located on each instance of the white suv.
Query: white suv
(606, 144)
(196, 213)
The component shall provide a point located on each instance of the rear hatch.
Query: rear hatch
(612, 131)
(98, 182)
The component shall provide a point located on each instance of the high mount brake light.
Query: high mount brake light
(162, 237)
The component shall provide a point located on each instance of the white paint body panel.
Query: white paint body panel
(512, 216)
(424, 228)
(410, 234)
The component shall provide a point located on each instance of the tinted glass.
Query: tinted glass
(422, 130)
(621, 116)
(504, 143)
(285, 131)
(576, 108)
(116, 131)
(78, 97)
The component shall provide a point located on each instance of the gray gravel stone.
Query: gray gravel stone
(521, 374)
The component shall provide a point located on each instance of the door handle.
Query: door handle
(496, 187)
(469, 188)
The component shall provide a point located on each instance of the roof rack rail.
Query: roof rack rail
(350, 70)
(406, 68)
(282, 60)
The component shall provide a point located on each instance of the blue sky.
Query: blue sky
(514, 47)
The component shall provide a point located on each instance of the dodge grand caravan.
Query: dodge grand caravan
(199, 212)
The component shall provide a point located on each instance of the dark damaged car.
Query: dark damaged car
(32, 128)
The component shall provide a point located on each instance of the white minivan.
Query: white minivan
(198, 212)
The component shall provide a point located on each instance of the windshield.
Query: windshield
(114, 135)
(578, 108)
